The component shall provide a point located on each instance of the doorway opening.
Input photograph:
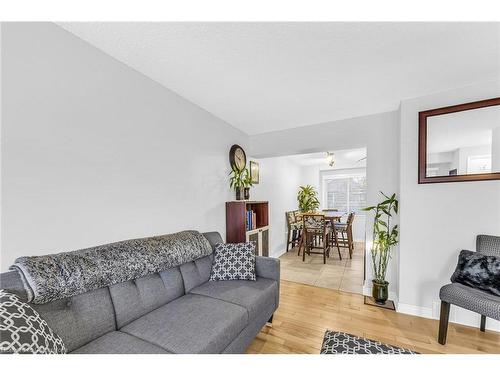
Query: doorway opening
(339, 179)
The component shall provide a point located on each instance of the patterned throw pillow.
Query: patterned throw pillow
(23, 330)
(233, 261)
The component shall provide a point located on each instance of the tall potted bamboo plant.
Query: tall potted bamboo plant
(385, 237)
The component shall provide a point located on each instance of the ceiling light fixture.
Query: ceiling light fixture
(330, 159)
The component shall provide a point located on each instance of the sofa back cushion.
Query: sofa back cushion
(77, 320)
(135, 298)
(80, 319)
(198, 272)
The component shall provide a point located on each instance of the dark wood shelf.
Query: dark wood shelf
(236, 228)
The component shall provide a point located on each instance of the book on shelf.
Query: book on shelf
(251, 220)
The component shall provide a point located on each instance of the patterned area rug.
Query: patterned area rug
(344, 343)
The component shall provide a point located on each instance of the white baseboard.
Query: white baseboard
(277, 254)
(424, 312)
(457, 315)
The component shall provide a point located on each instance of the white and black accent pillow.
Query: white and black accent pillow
(233, 261)
(23, 330)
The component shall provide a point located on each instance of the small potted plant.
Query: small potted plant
(241, 181)
(385, 237)
(307, 198)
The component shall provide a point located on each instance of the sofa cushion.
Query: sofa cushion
(119, 343)
(80, 319)
(254, 296)
(472, 299)
(197, 272)
(134, 298)
(191, 324)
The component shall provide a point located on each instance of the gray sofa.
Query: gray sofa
(174, 311)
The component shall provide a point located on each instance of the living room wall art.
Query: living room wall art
(254, 172)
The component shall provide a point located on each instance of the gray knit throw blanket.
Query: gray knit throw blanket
(52, 277)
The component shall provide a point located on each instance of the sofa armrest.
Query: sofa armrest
(268, 268)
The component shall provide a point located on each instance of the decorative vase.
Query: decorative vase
(246, 193)
(239, 194)
(380, 291)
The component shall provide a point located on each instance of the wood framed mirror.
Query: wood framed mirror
(460, 143)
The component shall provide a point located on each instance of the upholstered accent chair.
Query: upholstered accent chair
(486, 304)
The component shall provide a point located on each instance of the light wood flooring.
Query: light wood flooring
(306, 311)
(345, 274)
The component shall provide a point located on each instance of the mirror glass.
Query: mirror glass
(464, 143)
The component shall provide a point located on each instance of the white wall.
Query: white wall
(94, 152)
(379, 133)
(439, 220)
(279, 181)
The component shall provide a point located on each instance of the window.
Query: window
(479, 164)
(344, 192)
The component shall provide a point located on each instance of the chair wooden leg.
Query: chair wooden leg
(305, 248)
(443, 322)
(288, 239)
(337, 242)
(325, 239)
(301, 243)
(483, 323)
(351, 243)
(329, 242)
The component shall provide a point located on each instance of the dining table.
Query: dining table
(329, 215)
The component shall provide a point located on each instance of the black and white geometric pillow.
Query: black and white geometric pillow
(233, 261)
(344, 343)
(23, 330)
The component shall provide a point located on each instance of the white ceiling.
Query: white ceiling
(262, 77)
(353, 158)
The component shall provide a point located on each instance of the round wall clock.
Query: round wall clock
(237, 157)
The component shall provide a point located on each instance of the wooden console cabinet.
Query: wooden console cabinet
(236, 224)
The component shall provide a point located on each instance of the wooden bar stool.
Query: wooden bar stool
(315, 226)
(293, 229)
(345, 231)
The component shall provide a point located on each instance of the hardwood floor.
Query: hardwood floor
(306, 311)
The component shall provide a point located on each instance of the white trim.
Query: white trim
(280, 253)
(424, 312)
